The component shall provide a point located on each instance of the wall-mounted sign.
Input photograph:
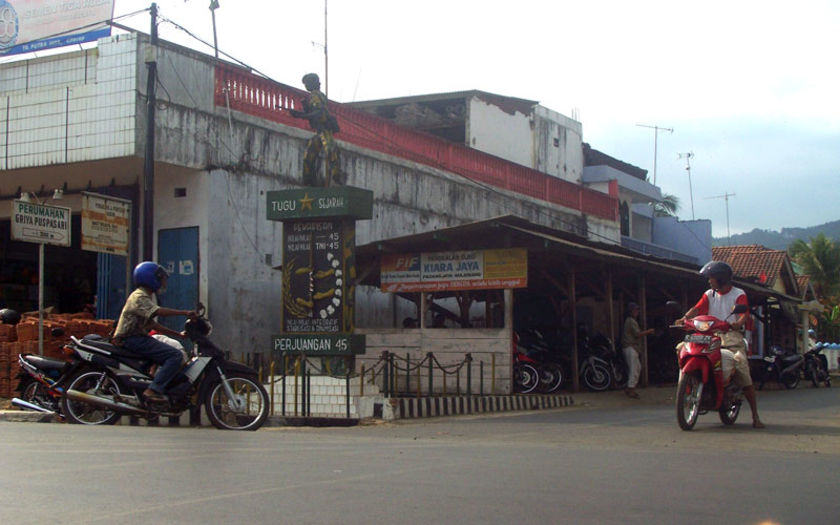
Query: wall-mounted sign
(41, 223)
(105, 224)
(34, 25)
(461, 270)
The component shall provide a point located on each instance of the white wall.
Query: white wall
(558, 145)
(64, 109)
(492, 130)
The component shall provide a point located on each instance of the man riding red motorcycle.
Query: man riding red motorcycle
(719, 301)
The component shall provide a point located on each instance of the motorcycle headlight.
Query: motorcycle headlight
(702, 326)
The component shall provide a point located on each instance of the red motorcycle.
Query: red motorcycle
(704, 372)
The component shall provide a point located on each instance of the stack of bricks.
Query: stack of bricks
(8, 336)
(23, 339)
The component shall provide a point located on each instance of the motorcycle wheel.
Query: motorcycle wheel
(597, 377)
(791, 381)
(551, 377)
(84, 414)
(619, 370)
(248, 409)
(729, 411)
(814, 375)
(525, 378)
(34, 392)
(688, 401)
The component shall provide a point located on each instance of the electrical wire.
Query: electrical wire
(503, 201)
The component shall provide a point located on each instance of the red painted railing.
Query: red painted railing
(266, 99)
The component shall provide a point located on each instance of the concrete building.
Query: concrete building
(76, 122)
(531, 135)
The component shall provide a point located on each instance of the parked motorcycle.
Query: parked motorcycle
(705, 372)
(815, 366)
(526, 377)
(782, 366)
(37, 381)
(601, 346)
(106, 382)
(538, 352)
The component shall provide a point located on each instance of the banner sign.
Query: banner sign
(105, 224)
(462, 270)
(34, 25)
(41, 223)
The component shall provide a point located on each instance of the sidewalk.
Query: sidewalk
(652, 395)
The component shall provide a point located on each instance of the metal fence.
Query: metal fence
(394, 375)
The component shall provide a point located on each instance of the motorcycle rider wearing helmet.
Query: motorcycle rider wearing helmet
(719, 301)
(137, 319)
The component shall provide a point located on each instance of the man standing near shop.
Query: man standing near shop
(631, 340)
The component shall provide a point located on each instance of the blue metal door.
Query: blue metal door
(178, 253)
(111, 290)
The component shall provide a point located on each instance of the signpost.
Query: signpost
(319, 244)
(41, 224)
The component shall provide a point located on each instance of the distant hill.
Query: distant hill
(781, 240)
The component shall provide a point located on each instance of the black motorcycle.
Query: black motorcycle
(106, 382)
(815, 366)
(782, 366)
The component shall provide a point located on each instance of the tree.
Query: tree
(667, 207)
(819, 259)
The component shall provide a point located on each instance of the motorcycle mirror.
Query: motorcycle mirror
(740, 309)
(673, 305)
(57, 332)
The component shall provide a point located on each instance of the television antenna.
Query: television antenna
(656, 130)
(725, 197)
(688, 156)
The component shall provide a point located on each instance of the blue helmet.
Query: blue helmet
(149, 274)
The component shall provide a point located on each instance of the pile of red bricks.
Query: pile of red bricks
(23, 339)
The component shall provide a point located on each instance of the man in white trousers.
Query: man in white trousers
(631, 341)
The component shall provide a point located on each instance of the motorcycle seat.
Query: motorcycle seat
(97, 341)
(44, 363)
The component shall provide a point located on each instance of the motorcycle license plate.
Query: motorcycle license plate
(700, 339)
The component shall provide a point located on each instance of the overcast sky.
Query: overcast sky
(750, 88)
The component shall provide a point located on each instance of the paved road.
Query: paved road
(608, 461)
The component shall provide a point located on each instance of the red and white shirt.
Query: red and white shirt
(720, 305)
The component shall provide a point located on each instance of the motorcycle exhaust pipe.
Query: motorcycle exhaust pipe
(30, 406)
(122, 408)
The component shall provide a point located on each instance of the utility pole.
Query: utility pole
(326, 57)
(687, 157)
(656, 130)
(149, 158)
(214, 4)
(725, 197)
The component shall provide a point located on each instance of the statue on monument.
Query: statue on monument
(325, 125)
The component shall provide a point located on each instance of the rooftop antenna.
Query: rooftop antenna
(725, 197)
(687, 157)
(656, 130)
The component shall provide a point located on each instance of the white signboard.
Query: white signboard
(33, 25)
(105, 224)
(40, 223)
